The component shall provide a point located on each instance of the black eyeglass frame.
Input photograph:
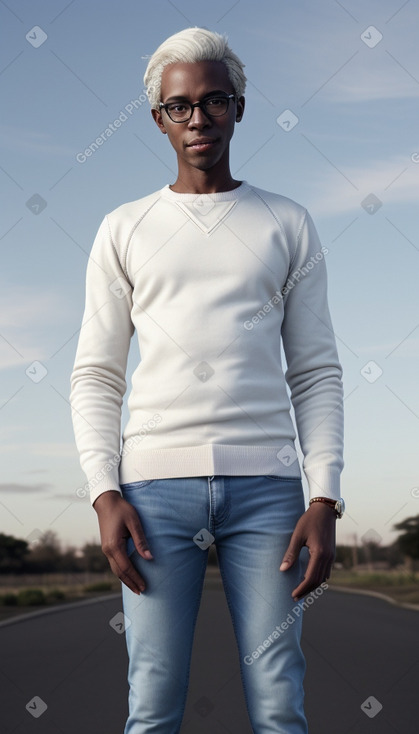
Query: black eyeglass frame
(200, 104)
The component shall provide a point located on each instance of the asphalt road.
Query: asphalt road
(356, 647)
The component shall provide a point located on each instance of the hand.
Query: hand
(117, 521)
(316, 529)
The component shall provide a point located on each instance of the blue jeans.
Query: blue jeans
(250, 519)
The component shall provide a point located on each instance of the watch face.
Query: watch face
(340, 506)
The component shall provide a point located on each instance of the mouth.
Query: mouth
(202, 145)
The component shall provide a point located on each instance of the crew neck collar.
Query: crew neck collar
(216, 196)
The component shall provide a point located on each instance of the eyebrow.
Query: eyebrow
(208, 94)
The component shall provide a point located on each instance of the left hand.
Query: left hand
(316, 529)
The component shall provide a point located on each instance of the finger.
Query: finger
(140, 541)
(328, 571)
(126, 572)
(290, 555)
(304, 588)
(313, 577)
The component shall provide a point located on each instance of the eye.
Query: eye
(215, 101)
(177, 107)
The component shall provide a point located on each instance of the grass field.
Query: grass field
(402, 587)
(19, 595)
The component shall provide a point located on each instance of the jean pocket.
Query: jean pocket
(136, 485)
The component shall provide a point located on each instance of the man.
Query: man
(211, 272)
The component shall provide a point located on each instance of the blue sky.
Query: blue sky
(349, 74)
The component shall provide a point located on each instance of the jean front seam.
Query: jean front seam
(231, 608)
(214, 521)
(197, 604)
(210, 528)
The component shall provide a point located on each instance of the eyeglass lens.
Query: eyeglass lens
(213, 106)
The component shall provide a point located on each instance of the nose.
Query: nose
(198, 119)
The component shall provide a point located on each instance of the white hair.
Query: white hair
(192, 45)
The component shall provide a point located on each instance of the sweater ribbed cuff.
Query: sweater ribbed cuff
(323, 481)
(100, 482)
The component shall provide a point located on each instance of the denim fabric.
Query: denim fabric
(251, 520)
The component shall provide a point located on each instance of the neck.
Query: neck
(196, 181)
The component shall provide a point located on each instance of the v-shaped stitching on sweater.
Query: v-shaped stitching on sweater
(207, 219)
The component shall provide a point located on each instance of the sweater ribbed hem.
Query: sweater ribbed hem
(209, 460)
(219, 459)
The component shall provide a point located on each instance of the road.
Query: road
(356, 647)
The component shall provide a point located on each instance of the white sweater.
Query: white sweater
(211, 283)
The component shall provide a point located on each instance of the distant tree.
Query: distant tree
(370, 551)
(69, 561)
(344, 555)
(93, 558)
(13, 552)
(408, 542)
(45, 555)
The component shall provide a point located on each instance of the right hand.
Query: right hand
(117, 521)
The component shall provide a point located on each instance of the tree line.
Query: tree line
(45, 554)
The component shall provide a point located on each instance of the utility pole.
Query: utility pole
(355, 551)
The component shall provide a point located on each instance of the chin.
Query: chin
(203, 162)
(205, 165)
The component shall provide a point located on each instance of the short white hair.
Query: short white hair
(192, 45)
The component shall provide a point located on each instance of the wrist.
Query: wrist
(106, 498)
(322, 509)
(337, 506)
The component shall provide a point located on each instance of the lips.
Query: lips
(201, 143)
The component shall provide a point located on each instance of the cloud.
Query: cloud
(394, 180)
(26, 315)
(17, 488)
(35, 471)
(31, 141)
(70, 497)
(404, 348)
(62, 450)
(382, 79)
(318, 53)
(53, 449)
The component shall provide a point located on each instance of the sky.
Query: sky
(330, 121)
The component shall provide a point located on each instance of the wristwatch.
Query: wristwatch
(337, 505)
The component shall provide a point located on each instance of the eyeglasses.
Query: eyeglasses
(215, 106)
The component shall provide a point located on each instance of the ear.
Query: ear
(156, 114)
(240, 108)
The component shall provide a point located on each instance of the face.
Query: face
(192, 82)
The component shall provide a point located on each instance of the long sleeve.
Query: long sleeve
(313, 369)
(98, 378)
(185, 280)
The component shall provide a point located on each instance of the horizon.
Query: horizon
(330, 121)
